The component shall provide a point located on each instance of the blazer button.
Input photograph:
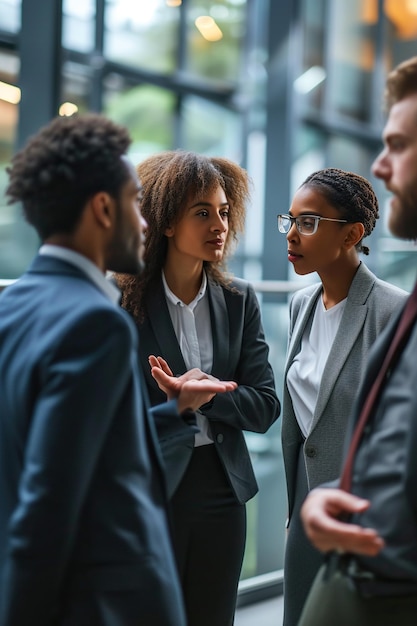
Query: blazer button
(311, 451)
(219, 438)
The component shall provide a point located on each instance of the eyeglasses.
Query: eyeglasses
(305, 224)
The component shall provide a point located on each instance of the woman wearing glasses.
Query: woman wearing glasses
(333, 324)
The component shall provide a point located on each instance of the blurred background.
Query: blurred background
(282, 88)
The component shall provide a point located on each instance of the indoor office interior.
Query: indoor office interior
(282, 88)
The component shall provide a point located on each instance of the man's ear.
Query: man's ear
(102, 207)
(355, 234)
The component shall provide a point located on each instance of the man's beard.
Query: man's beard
(402, 220)
(125, 264)
(125, 252)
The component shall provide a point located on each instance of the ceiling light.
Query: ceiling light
(208, 28)
(9, 93)
(67, 109)
(310, 79)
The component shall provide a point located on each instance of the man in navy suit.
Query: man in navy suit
(84, 535)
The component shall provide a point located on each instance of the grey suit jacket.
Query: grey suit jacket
(370, 304)
(386, 461)
(240, 353)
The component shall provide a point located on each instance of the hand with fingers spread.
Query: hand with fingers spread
(321, 513)
(193, 389)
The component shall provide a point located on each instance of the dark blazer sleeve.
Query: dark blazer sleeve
(176, 438)
(81, 382)
(254, 405)
(241, 354)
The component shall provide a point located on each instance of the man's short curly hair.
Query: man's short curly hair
(63, 165)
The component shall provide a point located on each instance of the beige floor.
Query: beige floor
(267, 613)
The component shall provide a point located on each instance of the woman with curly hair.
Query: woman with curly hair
(191, 313)
(333, 324)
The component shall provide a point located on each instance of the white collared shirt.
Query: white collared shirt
(192, 327)
(86, 266)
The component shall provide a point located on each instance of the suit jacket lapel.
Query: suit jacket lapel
(219, 326)
(306, 308)
(353, 319)
(160, 321)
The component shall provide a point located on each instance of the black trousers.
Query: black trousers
(209, 540)
(302, 560)
(334, 600)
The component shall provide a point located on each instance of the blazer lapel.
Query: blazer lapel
(304, 316)
(161, 324)
(353, 318)
(219, 326)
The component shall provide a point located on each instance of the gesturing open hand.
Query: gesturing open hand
(193, 389)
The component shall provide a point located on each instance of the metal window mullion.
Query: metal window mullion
(40, 51)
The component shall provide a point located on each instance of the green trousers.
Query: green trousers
(335, 602)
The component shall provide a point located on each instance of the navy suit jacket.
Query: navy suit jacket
(84, 537)
(240, 353)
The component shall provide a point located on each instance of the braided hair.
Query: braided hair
(351, 194)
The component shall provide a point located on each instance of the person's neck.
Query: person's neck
(72, 243)
(184, 282)
(336, 284)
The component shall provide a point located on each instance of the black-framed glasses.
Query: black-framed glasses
(305, 224)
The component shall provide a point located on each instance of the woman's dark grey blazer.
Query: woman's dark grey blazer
(240, 353)
(370, 304)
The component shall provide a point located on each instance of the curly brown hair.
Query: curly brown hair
(351, 194)
(64, 164)
(169, 179)
(401, 82)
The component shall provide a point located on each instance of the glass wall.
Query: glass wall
(10, 16)
(78, 25)
(145, 37)
(148, 111)
(339, 102)
(9, 111)
(215, 36)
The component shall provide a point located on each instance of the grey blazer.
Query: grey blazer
(240, 353)
(370, 304)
